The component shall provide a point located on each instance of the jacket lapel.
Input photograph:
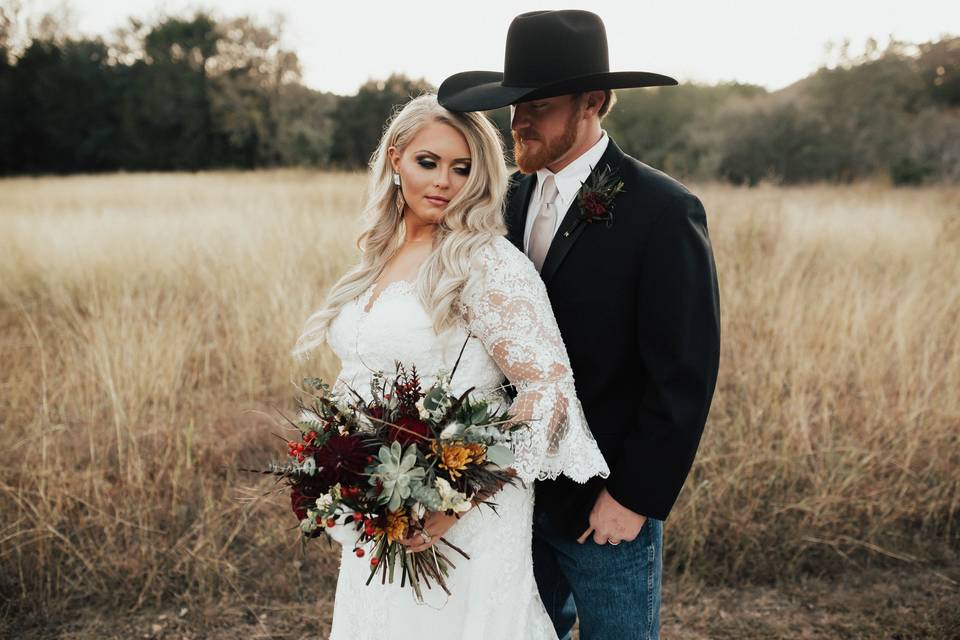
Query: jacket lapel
(569, 230)
(519, 202)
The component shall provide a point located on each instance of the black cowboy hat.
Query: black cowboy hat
(549, 53)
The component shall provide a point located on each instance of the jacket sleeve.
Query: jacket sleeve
(678, 335)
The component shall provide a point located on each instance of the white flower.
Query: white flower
(309, 466)
(452, 430)
(307, 415)
(363, 421)
(486, 434)
(308, 524)
(451, 498)
(335, 492)
(424, 414)
(325, 502)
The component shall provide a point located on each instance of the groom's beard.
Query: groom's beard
(530, 161)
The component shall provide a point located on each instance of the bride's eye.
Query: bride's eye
(426, 163)
(463, 170)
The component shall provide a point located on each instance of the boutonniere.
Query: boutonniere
(596, 198)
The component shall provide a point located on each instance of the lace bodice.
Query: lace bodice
(513, 333)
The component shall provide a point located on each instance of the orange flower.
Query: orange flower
(478, 452)
(396, 525)
(455, 457)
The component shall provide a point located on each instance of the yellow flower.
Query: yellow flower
(396, 525)
(455, 457)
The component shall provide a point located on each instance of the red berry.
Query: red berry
(319, 519)
(374, 562)
(357, 517)
(331, 522)
(360, 553)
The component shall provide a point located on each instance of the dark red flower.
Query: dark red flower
(594, 205)
(415, 425)
(342, 459)
(299, 502)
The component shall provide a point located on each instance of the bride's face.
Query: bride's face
(433, 168)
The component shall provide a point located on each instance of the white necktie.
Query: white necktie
(544, 224)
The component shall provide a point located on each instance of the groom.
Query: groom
(624, 252)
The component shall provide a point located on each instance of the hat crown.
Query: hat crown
(550, 46)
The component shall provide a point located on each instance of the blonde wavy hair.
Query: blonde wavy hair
(471, 219)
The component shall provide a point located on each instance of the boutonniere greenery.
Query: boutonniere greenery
(596, 197)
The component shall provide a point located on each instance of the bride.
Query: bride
(435, 275)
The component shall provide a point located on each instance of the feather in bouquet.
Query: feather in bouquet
(377, 467)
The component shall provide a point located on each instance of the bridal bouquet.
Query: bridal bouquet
(369, 471)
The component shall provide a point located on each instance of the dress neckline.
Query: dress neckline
(391, 286)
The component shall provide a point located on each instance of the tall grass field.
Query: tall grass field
(146, 322)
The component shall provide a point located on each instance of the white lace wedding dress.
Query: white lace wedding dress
(513, 333)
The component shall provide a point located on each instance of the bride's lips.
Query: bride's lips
(437, 200)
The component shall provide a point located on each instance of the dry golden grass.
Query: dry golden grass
(146, 326)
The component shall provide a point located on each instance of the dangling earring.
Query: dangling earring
(400, 201)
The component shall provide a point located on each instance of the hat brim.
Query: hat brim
(485, 91)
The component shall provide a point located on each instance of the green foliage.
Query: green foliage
(358, 121)
(196, 93)
(939, 67)
(181, 94)
(659, 125)
(907, 171)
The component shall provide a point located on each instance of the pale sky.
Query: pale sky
(342, 44)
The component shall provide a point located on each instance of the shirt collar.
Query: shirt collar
(571, 177)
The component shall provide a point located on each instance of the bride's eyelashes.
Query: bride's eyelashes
(427, 163)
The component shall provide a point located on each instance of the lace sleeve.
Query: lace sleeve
(507, 308)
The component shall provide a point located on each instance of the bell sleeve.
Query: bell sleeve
(507, 308)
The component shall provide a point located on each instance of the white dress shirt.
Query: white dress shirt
(568, 180)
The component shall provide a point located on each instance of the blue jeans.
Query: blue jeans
(615, 590)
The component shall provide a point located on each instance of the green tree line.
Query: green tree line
(200, 93)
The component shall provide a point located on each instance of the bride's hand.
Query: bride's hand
(435, 525)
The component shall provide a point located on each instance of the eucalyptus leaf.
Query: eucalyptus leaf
(500, 455)
(479, 414)
(433, 399)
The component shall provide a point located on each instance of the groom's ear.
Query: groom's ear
(593, 102)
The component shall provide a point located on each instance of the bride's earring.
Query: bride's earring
(400, 201)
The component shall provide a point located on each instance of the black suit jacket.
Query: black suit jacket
(639, 311)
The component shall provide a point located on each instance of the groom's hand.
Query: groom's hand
(612, 522)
